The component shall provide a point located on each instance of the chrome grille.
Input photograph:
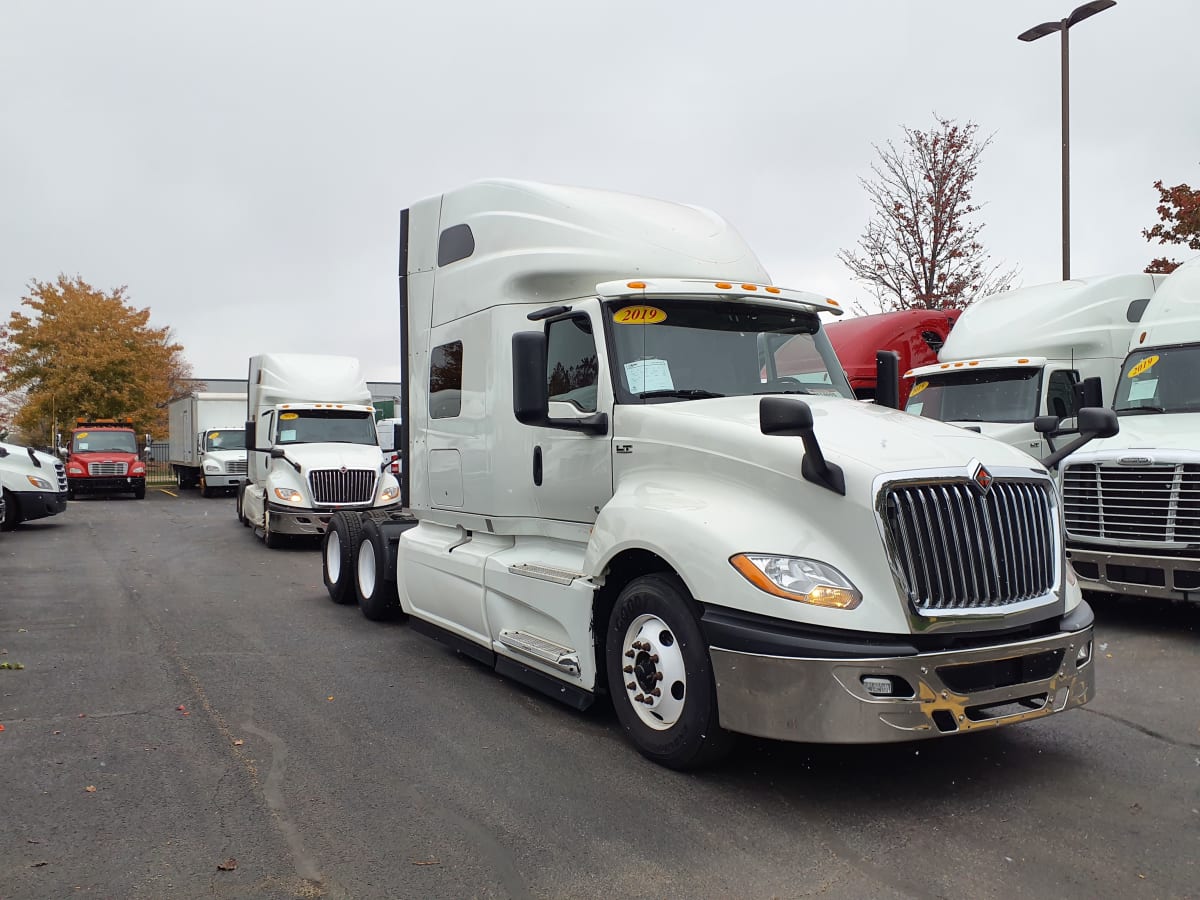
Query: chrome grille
(342, 485)
(1160, 504)
(108, 468)
(61, 471)
(955, 547)
(236, 467)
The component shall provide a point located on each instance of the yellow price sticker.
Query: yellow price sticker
(81, 434)
(639, 315)
(1144, 366)
(283, 416)
(917, 388)
(214, 434)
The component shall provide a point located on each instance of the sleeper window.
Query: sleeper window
(445, 381)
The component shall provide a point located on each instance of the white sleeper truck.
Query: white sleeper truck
(1025, 353)
(312, 449)
(33, 485)
(1132, 502)
(207, 441)
(615, 489)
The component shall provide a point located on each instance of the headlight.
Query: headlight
(76, 470)
(39, 482)
(794, 578)
(389, 494)
(289, 495)
(212, 468)
(138, 469)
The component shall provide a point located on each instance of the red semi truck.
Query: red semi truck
(103, 459)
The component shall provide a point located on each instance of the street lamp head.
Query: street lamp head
(1087, 10)
(1042, 30)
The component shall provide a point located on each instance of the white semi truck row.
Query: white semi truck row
(632, 467)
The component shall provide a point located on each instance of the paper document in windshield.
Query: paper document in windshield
(648, 375)
(1143, 390)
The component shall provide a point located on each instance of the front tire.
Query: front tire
(12, 515)
(139, 492)
(273, 539)
(377, 596)
(660, 675)
(205, 490)
(339, 549)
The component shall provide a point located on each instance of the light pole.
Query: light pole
(1077, 15)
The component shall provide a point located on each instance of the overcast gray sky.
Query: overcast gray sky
(241, 165)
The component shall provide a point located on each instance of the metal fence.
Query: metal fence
(158, 470)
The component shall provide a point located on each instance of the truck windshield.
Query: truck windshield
(321, 426)
(688, 349)
(1162, 380)
(104, 442)
(225, 440)
(981, 395)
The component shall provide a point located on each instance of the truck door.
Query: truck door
(571, 471)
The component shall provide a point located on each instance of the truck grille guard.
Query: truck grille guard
(108, 468)
(1157, 504)
(960, 545)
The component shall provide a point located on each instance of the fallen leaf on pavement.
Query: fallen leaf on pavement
(426, 862)
(330, 699)
(238, 742)
(91, 789)
(181, 707)
(228, 866)
(38, 865)
(1, 727)
(82, 715)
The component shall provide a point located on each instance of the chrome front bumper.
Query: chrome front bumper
(1137, 574)
(311, 522)
(949, 692)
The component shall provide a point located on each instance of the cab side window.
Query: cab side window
(1060, 394)
(572, 370)
(445, 381)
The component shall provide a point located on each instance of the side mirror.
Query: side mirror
(789, 417)
(1089, 392)
(1094, 422)
(63, 452)
(531, 401)
(251, 436)
(887, 379)
(276, 453)
(1046, 425)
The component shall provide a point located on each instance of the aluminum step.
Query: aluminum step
(531, 645)
(545, 573)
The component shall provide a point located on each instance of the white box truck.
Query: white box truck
(1132, 502)
(615, 489)
(33, 485)
(312, 446)
(1014, 356)
(206, 444)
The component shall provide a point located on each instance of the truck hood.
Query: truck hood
(88, 456)
(225, 456)
(1171, 432)
(334, 456)
(876, 438)
(18, 459)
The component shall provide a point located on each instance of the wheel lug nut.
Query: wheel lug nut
(627, 669)
(639, 698)
(658, 676)
(657, 692)
(653, 657)
(629, 654)
(632, 685)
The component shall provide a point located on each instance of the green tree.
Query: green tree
(919, 250)
(84, 352)
(1179, 209)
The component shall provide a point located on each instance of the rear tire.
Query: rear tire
(241, 513)
(339, 552)
(377, 596)
(655, 633)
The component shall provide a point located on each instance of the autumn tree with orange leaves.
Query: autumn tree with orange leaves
(920, 250)
(85, 352)
(1179, 209)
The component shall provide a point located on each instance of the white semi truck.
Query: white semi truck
(614, 488)
(33, 485)
(1132, 502)
(1025, 353)
(312, 449)
(207, 441)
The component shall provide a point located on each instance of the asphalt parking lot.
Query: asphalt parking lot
(194, 718)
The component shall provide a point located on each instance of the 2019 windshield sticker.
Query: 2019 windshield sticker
(1144, 366)
(289, 415)
(639, 315)
(917, 388)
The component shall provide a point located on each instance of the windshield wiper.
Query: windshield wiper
(783, 391)
(683, 394)
(1141, 409)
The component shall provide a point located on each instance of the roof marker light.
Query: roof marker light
(749, 287)
(832, 302)
(637, 285)
(724, 285)
(1022, 361)
(973, 362)
(958, 365)
(945, 365)
(1142, 338)
(771, 289)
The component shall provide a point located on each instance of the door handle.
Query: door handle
(537, 466)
